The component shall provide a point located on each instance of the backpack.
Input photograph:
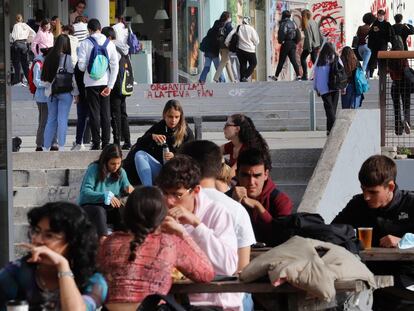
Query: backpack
(338, 78)
(32, 86)
(221, 36)
(98, 61)
(397, 43)
(290, 31)
(234, 41)
(125, 79)
(361, 82)
(62, 83)
(313, 226)
(133, 42)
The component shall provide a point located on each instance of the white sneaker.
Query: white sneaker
(78, 147)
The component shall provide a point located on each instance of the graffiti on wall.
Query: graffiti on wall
(331, 19)
(178, 90)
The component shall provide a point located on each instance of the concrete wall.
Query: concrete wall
(405, 173)
(355, 137)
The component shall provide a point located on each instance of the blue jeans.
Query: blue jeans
(207, 64)
(147, 167)
(247, 302)
(365, 53)
(350, 100)
(58, 107)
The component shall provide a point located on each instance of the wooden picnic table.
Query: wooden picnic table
(387, 254)
(283, 297)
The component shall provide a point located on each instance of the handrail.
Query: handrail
(395, 54)
(151, 120)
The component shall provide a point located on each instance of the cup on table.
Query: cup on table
(17, 305)
(365, 236)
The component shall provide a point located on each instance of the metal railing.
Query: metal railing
(395, 89)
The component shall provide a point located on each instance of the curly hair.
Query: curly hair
(80, 234)
(144, 212)
(248, 134)
(180, 171)
(111, 151)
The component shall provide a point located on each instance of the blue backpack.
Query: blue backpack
(361, 82)
(98, 61)
(133, 42)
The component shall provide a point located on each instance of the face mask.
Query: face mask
(380, 19)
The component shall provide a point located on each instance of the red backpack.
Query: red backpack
(32, 86)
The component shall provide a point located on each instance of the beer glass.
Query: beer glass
(365, 236)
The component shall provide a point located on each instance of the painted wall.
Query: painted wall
(355, 137)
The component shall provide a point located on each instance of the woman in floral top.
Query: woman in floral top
(140, 262)
(59, 271)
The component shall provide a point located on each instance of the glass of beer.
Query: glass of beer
(365, 236)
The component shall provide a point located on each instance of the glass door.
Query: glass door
(6, 215)
(188, 24)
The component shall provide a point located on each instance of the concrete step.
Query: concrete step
(27, 197)
(295, 157)
(48, 177)
(292, 175)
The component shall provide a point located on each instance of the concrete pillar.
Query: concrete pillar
(99, 9)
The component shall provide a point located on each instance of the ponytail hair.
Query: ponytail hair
(144, 212)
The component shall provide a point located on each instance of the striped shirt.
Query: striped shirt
(81, 31)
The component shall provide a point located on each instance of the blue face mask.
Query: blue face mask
(380, 19)
(407, 241)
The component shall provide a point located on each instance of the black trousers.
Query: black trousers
(119, 119)
(244, 58)
(330, 103)
(401, 89)
(19, 57)
(100, 216)
(373, 61)
(288, 49)
(99, 115)
(303, 57)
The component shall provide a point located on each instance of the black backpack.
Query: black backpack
(290, 31)
(313, 226)
(338, 78)
(234, 41)
(124, 84)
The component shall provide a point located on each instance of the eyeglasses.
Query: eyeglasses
(177, 196)
(47, 236)
(229, 124)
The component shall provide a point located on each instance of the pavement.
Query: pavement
(275, 140)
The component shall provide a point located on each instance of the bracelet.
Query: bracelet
(65, 273)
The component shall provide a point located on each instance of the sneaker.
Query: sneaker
(407, 128)
(39, 149)
(96, 147)
(126, 146)
(298, 78)
(23, 84)
(274, 78)
(78, 147)
(54, 148)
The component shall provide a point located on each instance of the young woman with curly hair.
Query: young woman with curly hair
(139, 262)
(242, 135)
(59, 272)
(105, 181)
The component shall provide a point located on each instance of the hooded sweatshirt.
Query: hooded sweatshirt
(276, 205)
(379, 35)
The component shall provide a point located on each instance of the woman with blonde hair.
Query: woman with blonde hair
(21, 35)
(312, 42)
(150, 151)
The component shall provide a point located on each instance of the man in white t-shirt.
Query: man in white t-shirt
(208, 156)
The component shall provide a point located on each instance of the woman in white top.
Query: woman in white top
(246, 48)
(74, 43)
(121, 30)
(21, 35)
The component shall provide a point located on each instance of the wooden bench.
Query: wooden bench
(284, 297)
(151, 120)
(387, 254)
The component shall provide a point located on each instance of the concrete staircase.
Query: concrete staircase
(41, 177)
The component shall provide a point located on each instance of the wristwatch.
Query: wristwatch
(62, 274)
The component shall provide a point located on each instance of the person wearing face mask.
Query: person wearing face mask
(379, 36)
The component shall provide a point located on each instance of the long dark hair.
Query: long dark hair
(109, 152)
(144, 212)
(327, 54)
(80, 234)
(349, 60)
(248, 134)
(51, 63)
(224, 16)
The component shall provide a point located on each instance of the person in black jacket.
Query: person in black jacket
(402, 30)
(287, 37)
(379, 36)
(211, 52)
(146, 156)
(390, 212)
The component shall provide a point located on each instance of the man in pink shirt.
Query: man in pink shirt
(206, 221)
